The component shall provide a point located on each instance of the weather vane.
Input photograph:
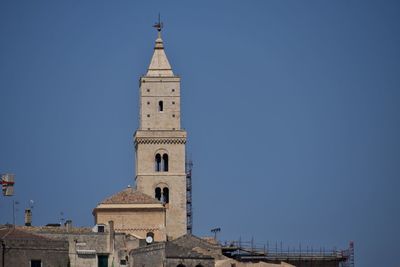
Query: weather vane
(158, 25)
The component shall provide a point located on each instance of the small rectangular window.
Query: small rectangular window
(36, 263)
(100, 228)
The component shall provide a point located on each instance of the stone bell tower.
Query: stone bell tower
(160, 141)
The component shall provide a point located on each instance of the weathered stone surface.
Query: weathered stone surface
(160, 133)
(173, 254)
(19, 248)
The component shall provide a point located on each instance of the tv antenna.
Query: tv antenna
(31, 202)
(215, 231)
(62, 219)
(15, 210)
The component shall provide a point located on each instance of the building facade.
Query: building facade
(22, 248)
(160, 141)
(157, 207)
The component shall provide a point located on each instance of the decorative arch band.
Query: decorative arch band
(159, 141)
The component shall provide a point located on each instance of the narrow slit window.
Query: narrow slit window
(160, 106)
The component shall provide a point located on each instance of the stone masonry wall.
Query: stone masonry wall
(21, 252)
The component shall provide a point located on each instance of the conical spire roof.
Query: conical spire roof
(159, 65)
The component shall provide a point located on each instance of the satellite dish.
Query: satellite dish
(149, 239)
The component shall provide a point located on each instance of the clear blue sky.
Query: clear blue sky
(292, 110)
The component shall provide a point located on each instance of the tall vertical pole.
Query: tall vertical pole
(14, 213)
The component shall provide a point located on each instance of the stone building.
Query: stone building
(134, 213)
(99, 246)
(189, 251)
(159, 161)
(145, 226)
(22, 248)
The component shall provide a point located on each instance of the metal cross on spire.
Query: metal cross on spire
(158, 25)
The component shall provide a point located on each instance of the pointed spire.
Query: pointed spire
(159, 65)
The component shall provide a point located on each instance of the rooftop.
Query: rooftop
(130, 196)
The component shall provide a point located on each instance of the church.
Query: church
(149, 225)
(156, 208)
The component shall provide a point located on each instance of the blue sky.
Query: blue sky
(291, 107)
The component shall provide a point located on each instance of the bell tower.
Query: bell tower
(160, 141)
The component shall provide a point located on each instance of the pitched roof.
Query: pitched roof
(56, 230)
(130, 196)
(176, 251)
(194, 241)
(13, 233)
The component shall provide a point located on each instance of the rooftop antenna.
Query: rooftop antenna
(15, 210)
(159, 25)
(62, 219)
(215, 231)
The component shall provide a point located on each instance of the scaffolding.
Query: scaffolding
(189, 210)
(249, 252)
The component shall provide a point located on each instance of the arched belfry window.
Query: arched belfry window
(162, 194)
(160, 106)
(158, 162)
(157, 193)
(161, 162)
(165, 162)
(165, 195)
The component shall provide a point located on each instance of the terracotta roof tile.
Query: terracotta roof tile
(13, 233)
(56, 230)
(130, 196)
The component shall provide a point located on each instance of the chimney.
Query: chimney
(68, 225)
(28, 217)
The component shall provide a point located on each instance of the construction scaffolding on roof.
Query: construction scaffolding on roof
(189, 210)
(302, 256)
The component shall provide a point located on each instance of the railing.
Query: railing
(248, 250)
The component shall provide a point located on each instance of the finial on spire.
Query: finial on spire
(158, 25)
